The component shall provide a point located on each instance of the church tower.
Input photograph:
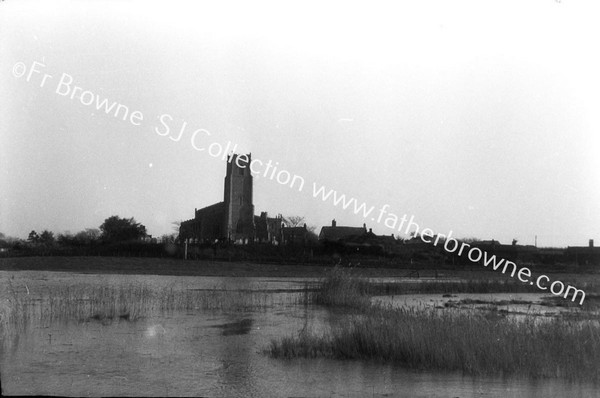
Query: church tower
(239, 209)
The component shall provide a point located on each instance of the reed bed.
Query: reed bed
(353, 277)
(342, 288)
(473, 342)
(88, 302)
(470, 343)
(345, 287)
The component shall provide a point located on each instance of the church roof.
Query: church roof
(212, 207)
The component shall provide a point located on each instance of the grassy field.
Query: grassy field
(167, 266)
(472, 342)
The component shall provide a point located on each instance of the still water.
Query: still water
(216, 354)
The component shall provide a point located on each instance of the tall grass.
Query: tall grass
(127, 302)
(341, 288)
(471, 342)
(340, 279)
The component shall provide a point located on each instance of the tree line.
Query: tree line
(116, 236)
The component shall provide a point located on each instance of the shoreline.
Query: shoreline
(178, 267)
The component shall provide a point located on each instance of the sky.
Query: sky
(479, 118)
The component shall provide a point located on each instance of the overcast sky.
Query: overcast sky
(480, 118)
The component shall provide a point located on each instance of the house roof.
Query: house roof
(340, 233)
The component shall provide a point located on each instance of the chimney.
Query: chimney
(333, 223)
(591, 242)
(364, 226)
(370, 230)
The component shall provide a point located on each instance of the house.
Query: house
(295, 235)
(584, 255)
(339, 234)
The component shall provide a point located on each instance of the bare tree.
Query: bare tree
(176, 225)
(168, 238)
(88, 235)
(312, 233)
(293, 221)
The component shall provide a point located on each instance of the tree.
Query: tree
(65, 239)
(470, 240)
(312, 233)
(117, 229)
(293, 221)
(33, 237)
(176, 225)
(168, 238)
(46, 237)
(88, 235)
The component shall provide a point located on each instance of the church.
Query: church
(233, 219)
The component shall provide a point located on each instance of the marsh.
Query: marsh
(100, 334)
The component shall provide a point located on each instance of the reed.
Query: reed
(467, 342)
(341, 288)
(473, 342)
(104, 302)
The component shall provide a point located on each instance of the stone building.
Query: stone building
(233, 219)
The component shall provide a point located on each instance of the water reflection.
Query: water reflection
(238, 327)
(154, 330)
(236, 350)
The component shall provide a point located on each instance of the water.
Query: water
(216, 354)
